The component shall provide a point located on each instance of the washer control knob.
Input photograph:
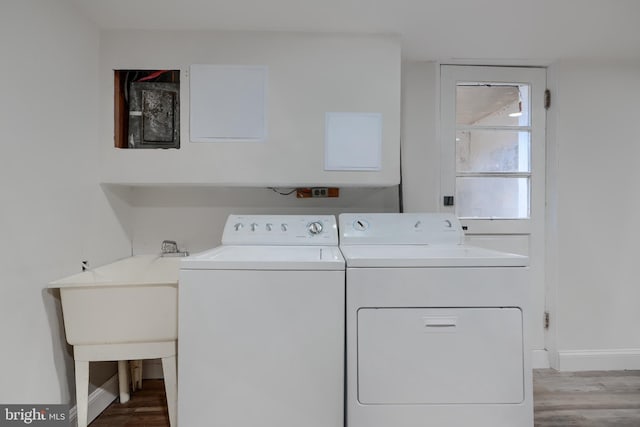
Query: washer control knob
(315, 228)
(254, 226)
(360, 224)
(284, 227)
(238, 226)
(268, 226)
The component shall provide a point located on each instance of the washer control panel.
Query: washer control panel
(400, 229)
(280, 230)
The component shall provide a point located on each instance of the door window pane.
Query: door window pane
(493, 151)
(492, 197)
(492, 104)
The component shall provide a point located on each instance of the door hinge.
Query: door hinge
(546, 320)
(547, 99)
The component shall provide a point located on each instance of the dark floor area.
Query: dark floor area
(561, 399)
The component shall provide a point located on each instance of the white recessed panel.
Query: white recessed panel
(227, 103)
(353, 141)
(440, 356)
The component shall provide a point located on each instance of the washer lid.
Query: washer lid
(235, 257)
(429, 256)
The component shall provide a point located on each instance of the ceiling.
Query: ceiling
(533, 32)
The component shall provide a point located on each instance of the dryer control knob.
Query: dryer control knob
(315, 228)
(360, 225)
(238, 226)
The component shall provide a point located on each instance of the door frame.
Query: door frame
(495, 230)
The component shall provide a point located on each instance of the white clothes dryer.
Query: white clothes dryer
(261, 326)
(436, 329)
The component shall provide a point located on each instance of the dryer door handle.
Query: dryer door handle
(440, 321)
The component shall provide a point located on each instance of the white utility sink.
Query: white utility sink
(126, 310)
(131, 300)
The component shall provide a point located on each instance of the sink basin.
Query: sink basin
(126, 310)
(133, 300)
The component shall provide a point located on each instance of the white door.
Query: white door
(492, 128)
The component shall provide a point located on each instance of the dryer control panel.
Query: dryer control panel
(280, 230)
(400, 229)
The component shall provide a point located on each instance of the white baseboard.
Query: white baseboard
(99, 400)
(599, 360)
(540, 359)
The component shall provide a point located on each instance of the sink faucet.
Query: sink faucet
(170, 248)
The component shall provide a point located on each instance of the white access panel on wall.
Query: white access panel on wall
(228, 103)
(353, 141)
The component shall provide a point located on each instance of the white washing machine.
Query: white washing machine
(436, 329)
(261, 326)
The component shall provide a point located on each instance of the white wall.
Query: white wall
(195, 217)
(420, 144)
(308, 75)
(54, 214)
(594, 232)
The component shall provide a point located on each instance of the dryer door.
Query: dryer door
(440, 355)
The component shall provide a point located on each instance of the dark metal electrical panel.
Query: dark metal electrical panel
(154, 115)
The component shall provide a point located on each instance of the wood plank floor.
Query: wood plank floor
(147, 408)
(561, 399)
(586, 399)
